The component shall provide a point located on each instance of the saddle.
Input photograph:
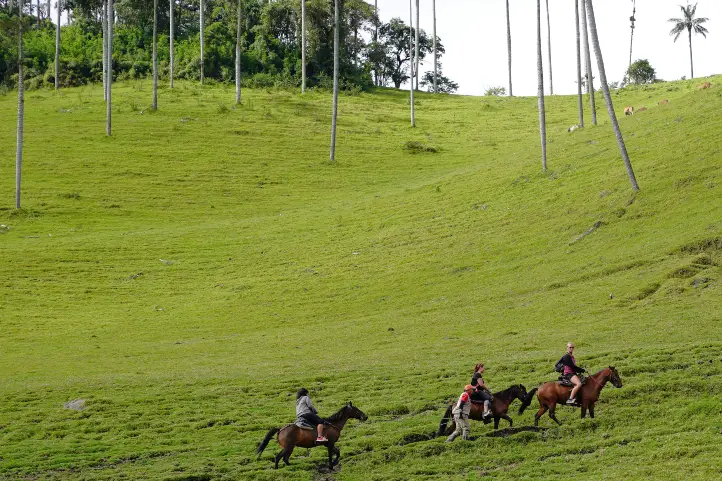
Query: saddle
(564, 381)
(306, 426)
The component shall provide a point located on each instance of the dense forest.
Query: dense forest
(372, 52)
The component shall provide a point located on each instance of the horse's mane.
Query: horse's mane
(337, 415)
(506, 391)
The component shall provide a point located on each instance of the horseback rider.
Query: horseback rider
(570, 373)
(481, 392)
(307, 414)
(461, 412)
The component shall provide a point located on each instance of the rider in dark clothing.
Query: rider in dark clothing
(307, 414)
(481, 393)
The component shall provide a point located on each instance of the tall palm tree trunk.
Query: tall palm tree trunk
(549, 48)
(303, 46)
(21, 108)
(238, 53)
(691, 62)
(411, 63)
(203, 31)
(580, 97)
(37, 11)
(508, 45)
(171, 16)
(588, 63)
(109, 104)
(436, 53)
(57, 47)
(104, 23)
(540, 90)
(155, 54)
(416, 48)
(631, 36)
(607, 96)
(336, 65)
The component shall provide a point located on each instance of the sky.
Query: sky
(474, 35)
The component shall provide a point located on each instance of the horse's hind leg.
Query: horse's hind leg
(584, 412)
(591, 411)
(289, 450)
(278, 457)
(542, 409)
(496, 422)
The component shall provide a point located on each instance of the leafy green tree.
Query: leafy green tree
(435, 81)
(641, 72)
(689, 22)
(495, 92)
(394, 41)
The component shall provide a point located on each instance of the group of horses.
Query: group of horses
(550, 394)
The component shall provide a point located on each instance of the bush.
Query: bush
(641, 72)
(495, 91)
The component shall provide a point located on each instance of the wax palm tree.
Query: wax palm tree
(607, 96)
(155, 54)
(57, 45)
(549, 49)
(203, 31)
(303, 46)
(21, 108)
(104, 23)
(238, 52)
(411, 63)
(436, 54)
(632, 19)
(336, 62)
(688, 22)
(508, 45)
(171, 16)
(109, 103)
(540, 91)
(589, 77)
(579, 66)
(416, 47)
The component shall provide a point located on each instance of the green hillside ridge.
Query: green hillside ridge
(187, 275)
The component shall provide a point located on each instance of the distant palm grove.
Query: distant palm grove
(372, 53)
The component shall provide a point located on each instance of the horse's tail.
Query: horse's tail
(527, 400)
(265, 441)
(444, 421)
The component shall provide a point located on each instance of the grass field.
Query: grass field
(187, 275)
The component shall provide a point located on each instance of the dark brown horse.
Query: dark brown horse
(499, 408)
(552, 393)
(291, 435)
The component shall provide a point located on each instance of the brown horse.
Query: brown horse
(291, 435)
(552, 393)
(499, 408)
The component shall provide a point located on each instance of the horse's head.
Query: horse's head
(518, 392)
(614, 377)
(354, 412)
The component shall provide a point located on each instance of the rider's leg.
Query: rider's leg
(577, 385)
(487, 411)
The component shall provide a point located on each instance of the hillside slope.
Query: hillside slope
(187, 275)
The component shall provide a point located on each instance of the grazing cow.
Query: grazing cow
(572, 128)
(663, 102)
(705, 85)
(629, 110)
(642, 109)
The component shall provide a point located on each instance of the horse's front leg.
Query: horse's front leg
(331, 449)
(584, 411)
(506, 416)
(337, 452)
(591, 410)
(496, 422)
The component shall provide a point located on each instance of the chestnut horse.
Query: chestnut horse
(552, 393)
(291, 435)
(499, 408)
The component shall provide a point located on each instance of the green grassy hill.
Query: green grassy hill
(186, 276)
